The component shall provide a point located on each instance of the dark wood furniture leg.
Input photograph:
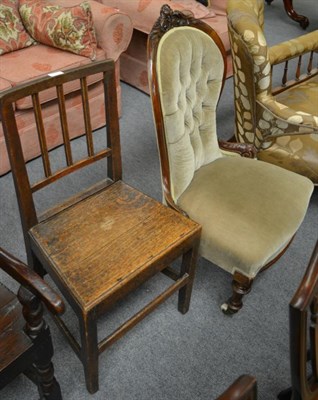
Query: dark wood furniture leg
(187, 267)
(89, 353)
(289, 8)
(241, 286)
(42, 371)
(301, 19)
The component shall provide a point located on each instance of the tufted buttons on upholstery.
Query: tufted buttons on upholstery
(186, 97)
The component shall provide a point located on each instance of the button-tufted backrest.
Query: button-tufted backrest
(190, 71)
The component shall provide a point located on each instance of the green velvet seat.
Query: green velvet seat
(249, 211)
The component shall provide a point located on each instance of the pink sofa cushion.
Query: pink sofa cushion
(144, 13)
(37, 61)
(67, 28)
(13, 35)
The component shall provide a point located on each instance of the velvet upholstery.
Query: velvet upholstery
(244, 223)
(188, 101)
(209, 186)
(266, 118)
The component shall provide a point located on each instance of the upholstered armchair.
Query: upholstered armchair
(249, 210)
(282, 123)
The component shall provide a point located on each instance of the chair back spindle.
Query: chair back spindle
(111, 151)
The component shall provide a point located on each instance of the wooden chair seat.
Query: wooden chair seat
(132, 235)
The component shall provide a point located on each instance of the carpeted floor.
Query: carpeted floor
(170, 356)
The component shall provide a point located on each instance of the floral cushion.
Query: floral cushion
(67, 28)
(13, 35)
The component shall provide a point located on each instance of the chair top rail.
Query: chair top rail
(60, 78)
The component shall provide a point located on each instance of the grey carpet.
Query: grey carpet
(169, 355)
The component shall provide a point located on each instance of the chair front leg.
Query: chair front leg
(89, 351)
(241, 286)
(189, 261)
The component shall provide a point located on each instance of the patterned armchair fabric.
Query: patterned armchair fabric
(283, 126)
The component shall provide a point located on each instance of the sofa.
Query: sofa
(23, 61)
(144, 13)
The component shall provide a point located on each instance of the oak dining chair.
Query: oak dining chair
(106, 241)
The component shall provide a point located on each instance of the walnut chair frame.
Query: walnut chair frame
(303, 317)
(25, 339)
(103, 243)
(169, 21)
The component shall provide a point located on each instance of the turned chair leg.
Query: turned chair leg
(42, 371)
(241, 286)
(89, 351)
(189, 261)
(48, 387)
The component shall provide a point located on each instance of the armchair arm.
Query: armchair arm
(243, 149)
(30, 280)
(293, 122)
(293, 48)
(244, 388)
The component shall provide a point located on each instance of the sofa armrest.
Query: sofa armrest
(293, 48)
(113, 29)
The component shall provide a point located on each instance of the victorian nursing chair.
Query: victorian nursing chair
(244, 388)
(281, 123)
(303, 325)
(99, 245)
(249, 210)
(25, 339)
